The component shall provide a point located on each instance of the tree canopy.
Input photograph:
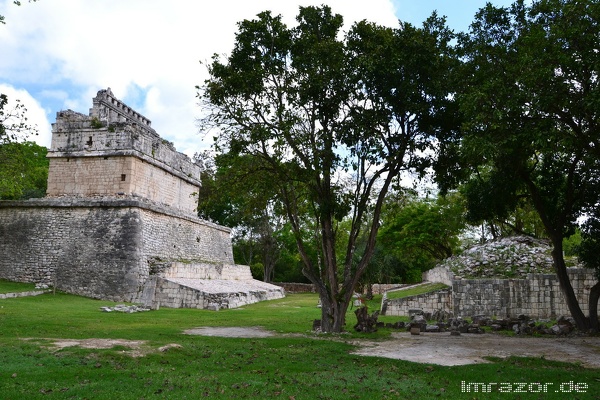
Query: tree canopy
(531, 102)
(23, 171)
(317, 110)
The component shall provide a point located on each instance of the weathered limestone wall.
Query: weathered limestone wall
(212, 294)
(440, 274)
(86, 251)
(208, 271)
(112, 151)
(184, 238)
(101, 248)
(538, 296)
(429, 303)
(119, 175)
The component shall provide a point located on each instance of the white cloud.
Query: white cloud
(70, 49)
(35, 113)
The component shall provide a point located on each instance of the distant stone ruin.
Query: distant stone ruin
(504, 278)
(119, 221)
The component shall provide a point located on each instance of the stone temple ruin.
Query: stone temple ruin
(119, 220)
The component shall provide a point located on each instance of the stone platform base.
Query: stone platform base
(209, 286)
(212, 294)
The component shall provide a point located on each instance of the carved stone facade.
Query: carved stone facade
(119, 221)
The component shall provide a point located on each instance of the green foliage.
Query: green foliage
(572, 244)
(418, 233)
(589, 246)
(14, 287)
(23, 170)
(96, 123)
(13, 121)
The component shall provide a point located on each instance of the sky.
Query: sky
(56, 54)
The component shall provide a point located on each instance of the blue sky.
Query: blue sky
(56, 54)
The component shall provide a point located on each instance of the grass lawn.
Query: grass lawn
(15, 287)
(421, 289)
(295, 364)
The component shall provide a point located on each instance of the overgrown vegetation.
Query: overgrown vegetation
(23, 170)
(297, 365)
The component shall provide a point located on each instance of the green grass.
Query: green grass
(295, 364)
(15, 287)
(421, 289)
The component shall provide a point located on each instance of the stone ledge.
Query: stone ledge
(123, 201)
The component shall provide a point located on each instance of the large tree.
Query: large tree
(314, 108)
(532, 101)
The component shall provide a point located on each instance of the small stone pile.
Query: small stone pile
(524, 325)
(125, 309)
(510, 257)
(521, 325)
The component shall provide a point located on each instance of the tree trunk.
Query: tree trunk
(565, 285)
(593, 305)
(333, 312)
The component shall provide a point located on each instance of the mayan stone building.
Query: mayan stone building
(119, 221)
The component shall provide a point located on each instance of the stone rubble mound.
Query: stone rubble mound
(510, 257)
(424, 322)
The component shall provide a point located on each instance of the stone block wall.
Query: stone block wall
(538, 296)
(173, 295)
(89, 176)
(100, 248)
(208, 271)
(86, 251)
(171, 237)
(211, 294)
(428, 302)
(440, 274)
(116, 174)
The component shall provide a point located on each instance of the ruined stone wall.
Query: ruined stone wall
(440, 274)
(101, 248)
(428, 302)
(86, 251)
(165, 238)
(538, 296)
(114, 150)
(208, 271)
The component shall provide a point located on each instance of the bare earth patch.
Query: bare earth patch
(239, 332)
(137, 348)
(443, 349)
